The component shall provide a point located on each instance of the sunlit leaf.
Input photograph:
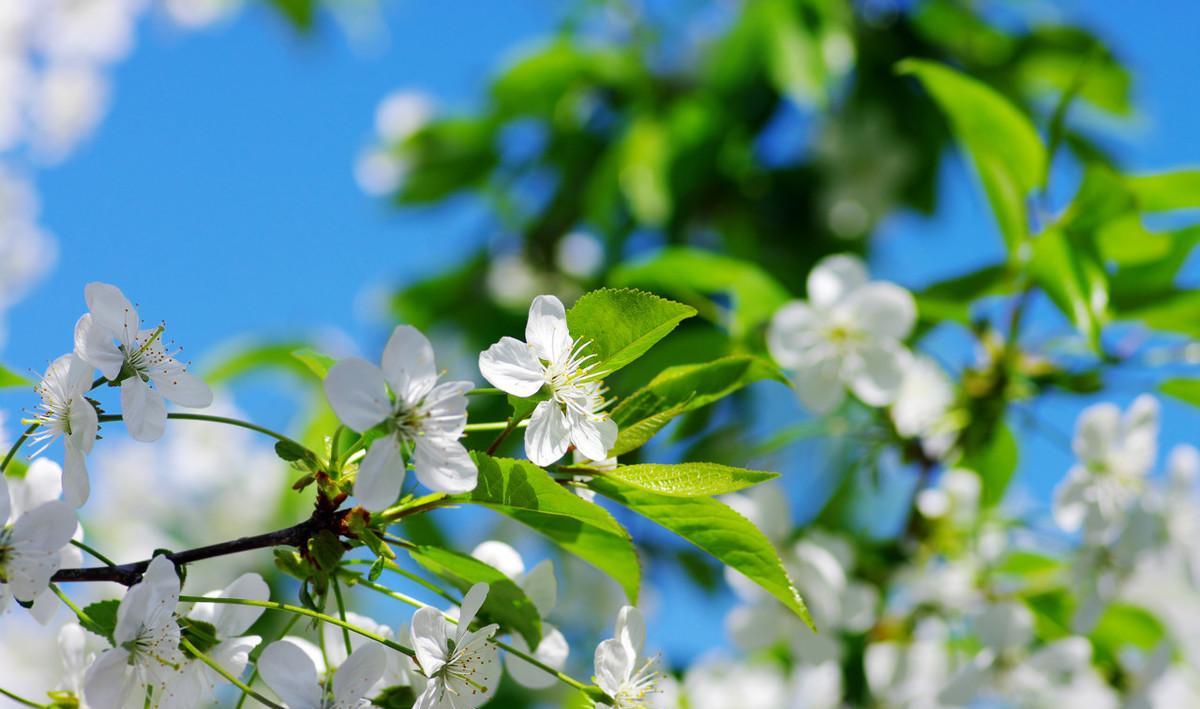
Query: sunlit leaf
(621, 324)
(688, 479)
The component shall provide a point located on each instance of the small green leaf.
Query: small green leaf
(1069, 270)
(1004, 146)
(694, 276)
(688, 479)
(317, 363)
(395, 698)
(102, 619)
(717, 529)
(684, 388)
(506, 602)
(995, 463)
(9, 379)
(326, 550)
(290, 451)
(1122, 625)
(525, 492)
(1183, 389)
(622, 324)
(1166, 191)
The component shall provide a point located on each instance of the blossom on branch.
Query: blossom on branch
(621, 671)
(462, 666)
(287, 669)
(65, 411)
(31, 545)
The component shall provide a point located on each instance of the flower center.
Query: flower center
(633, 692)
(574, 383)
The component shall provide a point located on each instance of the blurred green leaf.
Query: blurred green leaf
(951, 299)
(1166, 191)
(1007, 152)
(9, 379)
(506, 602)
(695, 276)
(688, 479)
(622, 324)
(1069, 270)
(684, 388)
(525, 492)
(316, 362)
(995, 463)
(1122, 625)
(718, 530)
(1183, 389)
(242, 359)
(301, 14)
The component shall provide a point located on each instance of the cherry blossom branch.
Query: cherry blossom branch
(131, 573)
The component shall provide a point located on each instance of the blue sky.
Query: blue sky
(219, 193)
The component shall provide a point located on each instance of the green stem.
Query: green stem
(334, 441)
(395, 568)
(483, 391)
(561, 676)
(216, 667)
(275, 606)
(97, 555)
(341, 606)
(16, 447)
(83, 617)
(411, 507)
(492, 426)
(21, 700)
(225, 420)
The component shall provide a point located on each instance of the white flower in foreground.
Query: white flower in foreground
(42, 484)
(620, 669)
(195, 681)
(573, 415)
(419, 414)
(146, 652)
(462, 666)
(31, 545)
(1115, 453)
(848, 334)
(137, 359)
(65, 411)
(288, 670)
(399, 666)
(541, 587)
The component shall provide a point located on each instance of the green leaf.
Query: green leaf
(622, 324)
(291, 451)
(528, 494)
(995, 463)
(316, 362)
(1004, 146)
(9, 378)
(951, 299)
(1183, 389)
(300, 14)
(694, 276)
(684, 388)
(717, 529)
(1122, 625)
(506, 602)
(102, 619)
(1173, 311)
(1166, 191)
(645, 161)
(688, 479)
(1069, 270)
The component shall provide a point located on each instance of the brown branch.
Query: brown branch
(131, 573)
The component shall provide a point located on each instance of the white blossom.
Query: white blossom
(400, 667)
(66, 412)
(846, 335)
(541, 587)
(146, 651)
(1115, 453)
(922, 404)
(621, 671)
(419, 415)
(32, 539)
(573, 414)
(461, 665)
(137, 360)
(288, 670)
(195, 682)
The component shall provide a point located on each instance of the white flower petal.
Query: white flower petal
(149, 603)
(358, 674)
(110, 680)
(289, 672)
(5, 502)
(818, 383)
(381, 475)
(1097, 429)
(446, 410)
(631, 629)
(443, 465)
(94, 345)
(84, 424)
(75, 484)
(613, 664)
(47, 527)
(875, 369)
(513, 367)
(182, 387)
(1071, 499)
(429, 640)
(357, 391)
(552, 650)
(408, 363)
(233, 620)
(593, 436)
(485, 673)
(883, 310)
(41, 484)
(548, 435)
(111, 309)
(834, 277)
(143, 410)
(501, 557)
(470, 606)
(546, 330)
(795, 329)
(541, 586)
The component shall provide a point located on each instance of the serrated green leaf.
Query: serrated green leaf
(525, 492)
(9, 379)
(1183, 389)
(688, 479)
(621, 324)
(684, 388)
(1005, 148)
(506, 602)
(717, 529)
(694, 276)
(101, 619)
